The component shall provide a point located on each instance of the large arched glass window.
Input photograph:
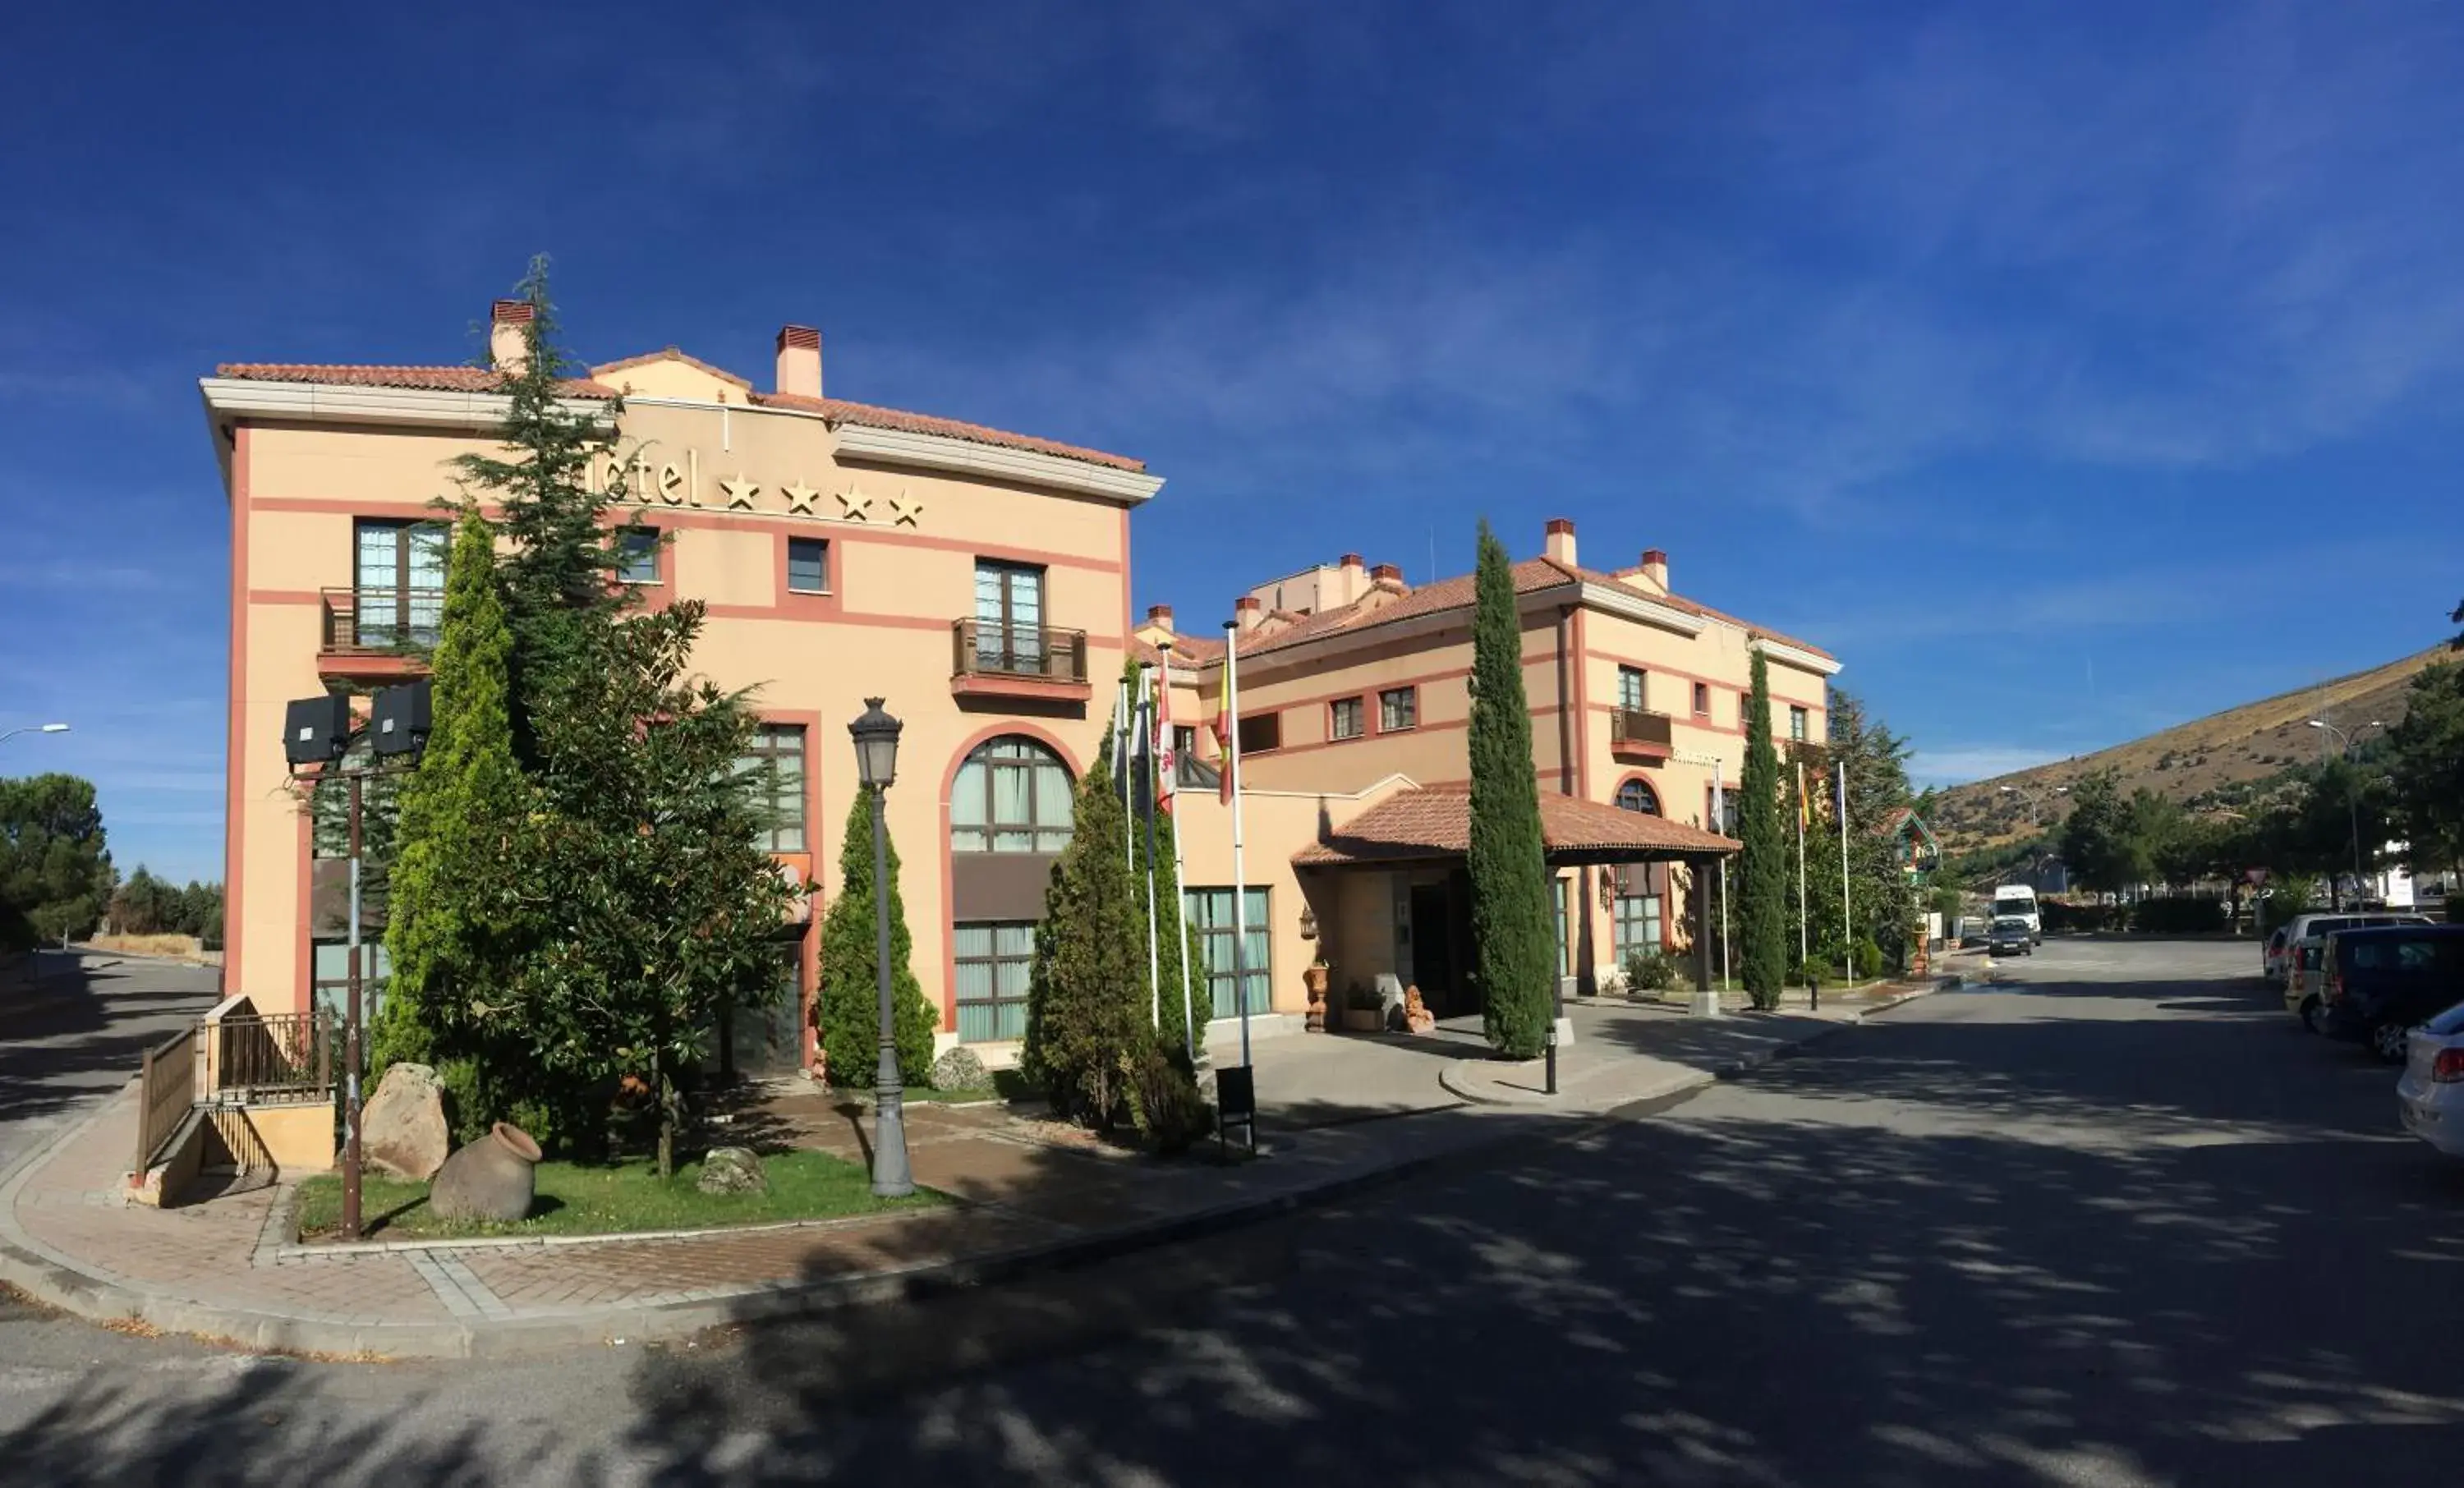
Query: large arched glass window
(1011, 796)
(1638, 795)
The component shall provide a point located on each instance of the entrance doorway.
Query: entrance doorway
(1441, 950)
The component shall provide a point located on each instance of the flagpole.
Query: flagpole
(1179, 892)
(1719, 804)
(1240, 879)
(1804, 931)
(1146, 804)
(1847, 916)
(1122, 723)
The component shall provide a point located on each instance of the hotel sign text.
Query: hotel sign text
(651, 483)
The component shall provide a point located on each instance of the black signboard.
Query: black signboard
(1235, 1103)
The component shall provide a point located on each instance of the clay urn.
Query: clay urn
(490, 1179)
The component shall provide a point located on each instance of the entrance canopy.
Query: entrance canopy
(1428, 823)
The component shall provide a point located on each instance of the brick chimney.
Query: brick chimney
(799, 361)
(1655, 570)
(1248, 612)
(508, 322)
(1352, 571)
(1387, 576)
(1560, 545)
(1160, 616)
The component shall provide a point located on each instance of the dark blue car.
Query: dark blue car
(2376, 985)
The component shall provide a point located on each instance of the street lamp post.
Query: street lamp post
(876, 758)
(34, 728)
(2352, 792)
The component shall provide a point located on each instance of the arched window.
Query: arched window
(1011, 796)
(1637, 796)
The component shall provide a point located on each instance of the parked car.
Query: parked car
(2378, 984)
(2429, 1093)
(2010, 936)
(2282, 960)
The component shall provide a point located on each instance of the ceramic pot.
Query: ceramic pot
(492, 1180)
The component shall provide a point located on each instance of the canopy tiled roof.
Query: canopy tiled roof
(838, 410)
(1530, 575)
(438, 380)
(1435, 822)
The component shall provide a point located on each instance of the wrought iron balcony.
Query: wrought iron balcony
(1640, 732)
(372, 622)
(989, 657)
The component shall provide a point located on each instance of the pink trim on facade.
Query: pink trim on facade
(234, 761)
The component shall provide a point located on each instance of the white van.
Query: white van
(2021, 901)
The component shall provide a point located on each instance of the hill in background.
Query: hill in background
(2218, 760)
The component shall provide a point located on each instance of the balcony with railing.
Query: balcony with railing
(378, 631)
(1638, 733)
(990, 659)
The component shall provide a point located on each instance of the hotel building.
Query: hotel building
(981, 581)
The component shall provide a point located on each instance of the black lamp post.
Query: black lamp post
(876, 763)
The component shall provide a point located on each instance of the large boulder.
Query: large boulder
(959, 1069)
(402, 1128)
(490, 1179)
(733, 1170)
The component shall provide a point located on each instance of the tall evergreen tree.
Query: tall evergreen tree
(1513, 925)
(55, 873)
(1763, 871)
(1088, 1021)
(848, 1007)
(452, 923)
(1878, 785)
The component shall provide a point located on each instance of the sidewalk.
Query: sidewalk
(1337, 1113)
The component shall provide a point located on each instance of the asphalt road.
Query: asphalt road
(2117, 1221)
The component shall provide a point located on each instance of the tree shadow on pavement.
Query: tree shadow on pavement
(84, 1031)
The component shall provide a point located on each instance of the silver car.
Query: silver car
(2429, 1093)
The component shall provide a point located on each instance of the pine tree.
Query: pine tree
(452, 920)
(1512, 921)
(1762, 913)
(1088, 1021)
(849, 1008)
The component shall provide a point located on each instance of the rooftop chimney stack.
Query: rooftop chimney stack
(1159, 616)
(1386, 576)
(1561, 546)
(1655, 569)
(509, 347)
(1355, 570)
(799, 361)
(1248, 612)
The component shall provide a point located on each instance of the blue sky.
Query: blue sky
(2068, 369)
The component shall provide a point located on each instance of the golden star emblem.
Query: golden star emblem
(739, 493)
(799, 497)
(904, 509)
(856, 505)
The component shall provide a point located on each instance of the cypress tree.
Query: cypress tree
(1086, 1014)
(452, 914)
(1512, 921)
(1176, 940)
(1762, 911)
(848, 1007)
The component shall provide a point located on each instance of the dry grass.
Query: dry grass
(185, 947)
(2250, 742)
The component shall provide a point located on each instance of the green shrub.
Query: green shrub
(1869, 959)
(1163, 1100)
(1650, 971)
(1813, 971)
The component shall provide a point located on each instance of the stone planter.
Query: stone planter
(1363, 1021)
(492, 1180)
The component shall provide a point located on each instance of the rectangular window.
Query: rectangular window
(1189, 772)
(1637, 925)
(330, 965)
(1796, 722)
(1702, 700)
(1398, 709)
(1210, 914)
(808, 565)
(777, 760)
(1346, 718)
(1720, 809)
(1631, 688)
(397, 584)
(1260, 732)
(1010, 618)
(994, 957)
(637, 554)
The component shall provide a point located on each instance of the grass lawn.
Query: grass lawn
(584, 1199)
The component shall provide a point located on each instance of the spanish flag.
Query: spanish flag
(1804, 807)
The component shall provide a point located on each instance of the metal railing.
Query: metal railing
(273, 1055)
(1640, 728)
(989, 649)
(166, 1090)
(382, 621)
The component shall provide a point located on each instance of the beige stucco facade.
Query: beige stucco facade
(910, 514)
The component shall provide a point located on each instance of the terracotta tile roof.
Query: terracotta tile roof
(442, 380)
(1186, 650)
(1530, 575)
(838, 410)
(1435, 822)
